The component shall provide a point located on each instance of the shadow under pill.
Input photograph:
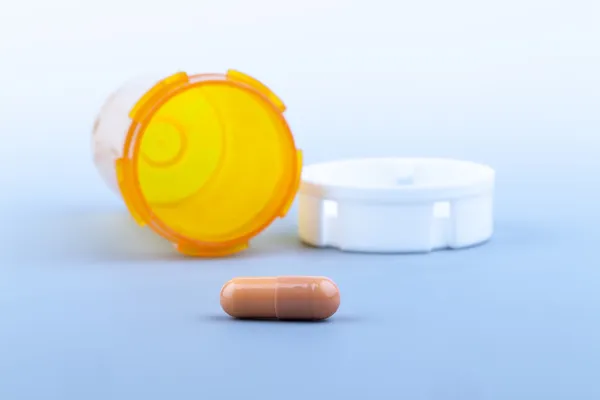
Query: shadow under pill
(228, 319)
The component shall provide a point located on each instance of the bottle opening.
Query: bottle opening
(215, 162)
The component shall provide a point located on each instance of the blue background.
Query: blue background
(92, 307)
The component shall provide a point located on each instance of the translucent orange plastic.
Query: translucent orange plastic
(208, 161)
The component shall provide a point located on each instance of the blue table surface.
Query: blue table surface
(94, 307)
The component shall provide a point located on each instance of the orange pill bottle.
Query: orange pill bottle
(206, 161)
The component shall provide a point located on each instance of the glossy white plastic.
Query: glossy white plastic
(396, 205)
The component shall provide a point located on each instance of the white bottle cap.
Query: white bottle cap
(396, 205)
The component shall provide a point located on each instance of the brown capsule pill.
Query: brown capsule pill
(282, 297)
